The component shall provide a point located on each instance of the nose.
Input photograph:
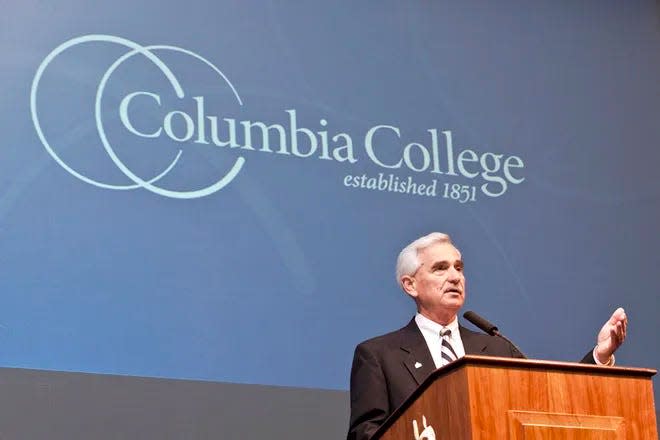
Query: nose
(454, 275)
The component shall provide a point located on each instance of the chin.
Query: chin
(453, 305)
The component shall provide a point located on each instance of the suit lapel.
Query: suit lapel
(473, 342)
(417, 357)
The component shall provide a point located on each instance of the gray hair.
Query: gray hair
(408, 261)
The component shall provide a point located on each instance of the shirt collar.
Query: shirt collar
(427, 325)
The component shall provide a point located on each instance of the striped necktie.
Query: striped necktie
(448, 353)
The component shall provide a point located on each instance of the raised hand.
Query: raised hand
(611, 336)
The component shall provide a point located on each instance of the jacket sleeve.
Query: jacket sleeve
(588, 358)
(369, 398)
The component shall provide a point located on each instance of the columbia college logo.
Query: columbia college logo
(168, 120)
(168, 128)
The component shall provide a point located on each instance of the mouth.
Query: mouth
(454, 290)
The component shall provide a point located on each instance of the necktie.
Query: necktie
(448, 353)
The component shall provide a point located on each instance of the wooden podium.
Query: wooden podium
(479, 397)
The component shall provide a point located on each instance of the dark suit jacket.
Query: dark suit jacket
(384, 373)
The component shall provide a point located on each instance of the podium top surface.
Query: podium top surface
(539, 364)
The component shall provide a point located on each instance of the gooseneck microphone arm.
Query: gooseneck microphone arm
(489, 328)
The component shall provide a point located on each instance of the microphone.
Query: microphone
(489, 328)
(482, 323)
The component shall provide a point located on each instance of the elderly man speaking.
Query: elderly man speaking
(388, 368)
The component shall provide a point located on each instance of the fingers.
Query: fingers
(618, 333)
(618, 315)
(622, 324)
(624, 329)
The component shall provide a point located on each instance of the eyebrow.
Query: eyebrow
(446, 263)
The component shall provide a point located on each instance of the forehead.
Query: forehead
(439, 252)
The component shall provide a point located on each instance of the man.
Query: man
(387, 369)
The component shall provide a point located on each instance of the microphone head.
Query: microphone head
(481, 323)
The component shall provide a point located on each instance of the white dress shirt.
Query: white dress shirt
(431, 332)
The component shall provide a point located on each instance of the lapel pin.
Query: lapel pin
(417, 365)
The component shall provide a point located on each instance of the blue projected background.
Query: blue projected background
(219, 190)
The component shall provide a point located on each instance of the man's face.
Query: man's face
(438, 286)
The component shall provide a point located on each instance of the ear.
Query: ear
(408, 284)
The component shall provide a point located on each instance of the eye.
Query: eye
(459, 266)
